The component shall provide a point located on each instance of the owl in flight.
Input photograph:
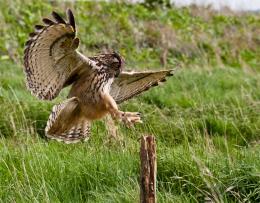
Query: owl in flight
(98, 83)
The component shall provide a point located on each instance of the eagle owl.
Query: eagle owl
(98, 83)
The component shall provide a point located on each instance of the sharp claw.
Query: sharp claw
(131, 118)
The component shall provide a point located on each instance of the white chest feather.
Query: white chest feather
(106, 88)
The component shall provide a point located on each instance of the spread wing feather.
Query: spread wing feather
(50, 56)
(130, 84)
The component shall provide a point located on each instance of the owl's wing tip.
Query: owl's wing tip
(71, 18)
(58, 18)
(43, 80)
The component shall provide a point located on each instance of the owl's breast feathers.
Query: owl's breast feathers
(90, 88)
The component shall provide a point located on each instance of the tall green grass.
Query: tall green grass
(206, 119)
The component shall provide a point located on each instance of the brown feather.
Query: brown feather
(128, 85)
(66, 123)
(71, 19)
(57, 17)
(32, 34)
(39, 27)
(47, 21)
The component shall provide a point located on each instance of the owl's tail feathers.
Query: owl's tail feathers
(67, 124)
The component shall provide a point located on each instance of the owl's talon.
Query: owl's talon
(130, 118)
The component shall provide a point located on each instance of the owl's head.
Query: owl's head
(118, 63)
(112, 62)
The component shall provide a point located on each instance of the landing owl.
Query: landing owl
(98, 83)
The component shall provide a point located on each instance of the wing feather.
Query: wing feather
(50, 56)
(47, 21)
(130, 84)
(57, 18)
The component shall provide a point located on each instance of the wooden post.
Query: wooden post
(148, 170)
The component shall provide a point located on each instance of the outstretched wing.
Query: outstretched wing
(128, 84)
(50, 56)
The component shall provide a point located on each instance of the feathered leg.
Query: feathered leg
(112, 128)
(128, 118)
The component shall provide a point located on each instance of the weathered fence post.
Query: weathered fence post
(148, 170)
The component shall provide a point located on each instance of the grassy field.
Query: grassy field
(206, 119)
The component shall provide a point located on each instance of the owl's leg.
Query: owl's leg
(112, 128)
(128, 118)
(113, 135)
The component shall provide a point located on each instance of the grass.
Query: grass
(206, 118)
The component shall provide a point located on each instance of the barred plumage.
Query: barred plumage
(67, 123)
(51, 62)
